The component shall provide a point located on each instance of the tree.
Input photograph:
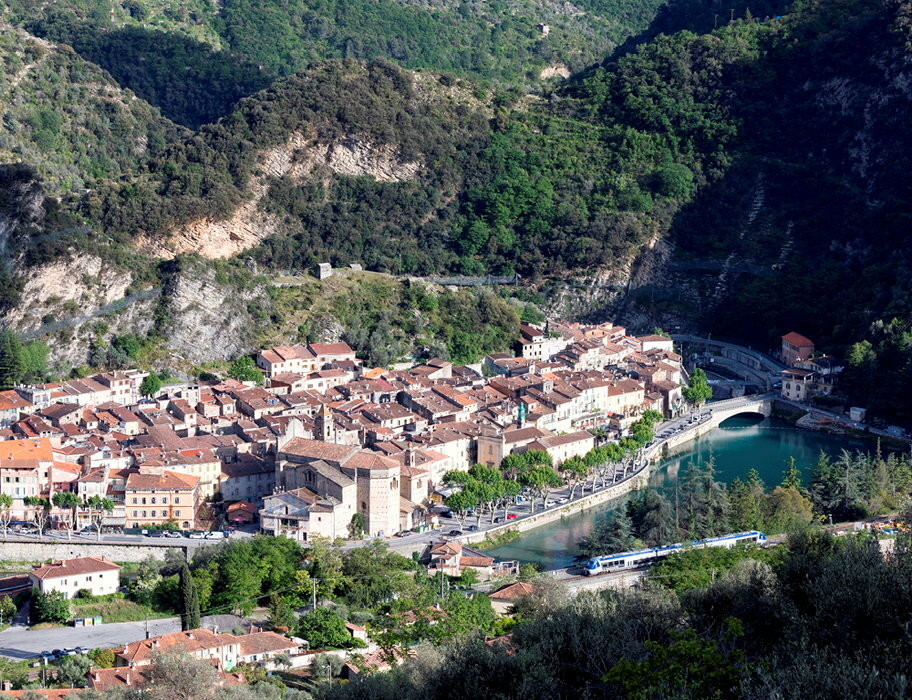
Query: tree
(575, 471)
(787, 510)
(244, 369)
(52, 606)
(151, 385)
(12, 364)
(698, 390)
(323, 628)
(652, 518)
(41, 511)
(72, 671)
(541, 478)
(99, 507)
(102, 658)
(280, 614)
(6, 513)
(68, 502)
(461, 502)
(611, 534)
(7, 609)
(190, 606)
(174, 676)
(791, 477)
(326, 667)
(357, 527)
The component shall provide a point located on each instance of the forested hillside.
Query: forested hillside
(751, 178)
(194, 59)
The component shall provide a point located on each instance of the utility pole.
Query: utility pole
(314, 581)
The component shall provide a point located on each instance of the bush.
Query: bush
(50, 607)
(84, 593)
(102, 658)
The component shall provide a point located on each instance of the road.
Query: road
(19, 642)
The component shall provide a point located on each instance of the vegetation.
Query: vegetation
(822, 616)
(50, 607)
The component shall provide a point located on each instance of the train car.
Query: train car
(644, 557)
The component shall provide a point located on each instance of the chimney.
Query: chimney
(127, 678)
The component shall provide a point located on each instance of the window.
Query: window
(135, 514)
(134, 501)
(144, 514)
(165, 500)
(177, 499)
(153, 500)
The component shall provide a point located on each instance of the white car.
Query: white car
(215, 535)
(197, 535)
(563, 500)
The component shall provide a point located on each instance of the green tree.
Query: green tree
(541, 478)
(698, 390)
(791, 477)
(71, 672)
(244, 369)
(6, 512)
(323, 628)
(151, 385)
(12, 363)
(611, 534)
(357, 526)
(52, 606)
(190, 605)
(280, 613)
(68, 502)
(7, 609)
(786, 509)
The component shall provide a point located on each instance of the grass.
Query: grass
(113, 609)
(496, 540)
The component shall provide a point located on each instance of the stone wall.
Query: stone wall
(32, 551)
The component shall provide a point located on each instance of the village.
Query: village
(322, 446)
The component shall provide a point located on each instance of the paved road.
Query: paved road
(19, 642)
(22, 643)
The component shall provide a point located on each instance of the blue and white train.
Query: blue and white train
(644, 557)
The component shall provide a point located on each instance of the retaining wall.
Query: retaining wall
(63, 549)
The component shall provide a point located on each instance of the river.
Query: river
(738, 445)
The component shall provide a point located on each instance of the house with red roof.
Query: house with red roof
(796, 348)
(69, 576)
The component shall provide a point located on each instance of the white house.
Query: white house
(94, 574)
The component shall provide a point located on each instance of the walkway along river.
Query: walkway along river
(738, 445)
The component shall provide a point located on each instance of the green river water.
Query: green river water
(738, 445)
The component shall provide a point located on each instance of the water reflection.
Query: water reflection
(740, 444)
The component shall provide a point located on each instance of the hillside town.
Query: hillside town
(321, 441)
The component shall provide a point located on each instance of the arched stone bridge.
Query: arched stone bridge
(715, 413)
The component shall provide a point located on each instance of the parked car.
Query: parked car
(403, 533)
(173, 534)
(154, 533)
(455, 533)
(215, 535)
(563, 500)
(512, 516)
(497, 519)
(57, 652)
(82, 650)
(28, 530)
(69, 651)
(446, 514)
(472, 528)
(197, 535)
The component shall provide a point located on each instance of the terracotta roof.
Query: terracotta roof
(315, 449)
(74, 567)
(331, 349)
(165, 480)
(264, 642)
(190, 640)
(798, 340)
(25, 453)
(370, 460)
(512, 591)
(50, 693)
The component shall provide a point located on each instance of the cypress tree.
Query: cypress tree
(12, 364)
(190, 617)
